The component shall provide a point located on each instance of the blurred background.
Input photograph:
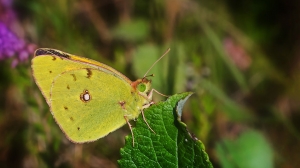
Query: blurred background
(240, 58)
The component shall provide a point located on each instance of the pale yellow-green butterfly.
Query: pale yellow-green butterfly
(88, 99)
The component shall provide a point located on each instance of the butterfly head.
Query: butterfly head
(143, 86)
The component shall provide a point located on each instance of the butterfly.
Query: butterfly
(89, 99)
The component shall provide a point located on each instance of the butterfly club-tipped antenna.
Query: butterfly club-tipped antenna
(156, 62)
(145, 77)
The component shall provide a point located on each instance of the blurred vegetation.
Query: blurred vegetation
(241, 58)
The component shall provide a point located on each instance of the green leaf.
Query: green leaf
(250, 149)
(171, 146)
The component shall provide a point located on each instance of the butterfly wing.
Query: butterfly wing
(88, 103)
(87, 99)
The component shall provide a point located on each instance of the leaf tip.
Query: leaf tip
(180, 105)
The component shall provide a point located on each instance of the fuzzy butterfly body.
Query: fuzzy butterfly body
(87, 99)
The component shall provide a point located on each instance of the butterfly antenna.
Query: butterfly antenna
(157, 61)
(152, 75)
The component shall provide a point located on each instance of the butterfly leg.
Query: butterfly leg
(151, 93)
(145, 117)
(130, 127)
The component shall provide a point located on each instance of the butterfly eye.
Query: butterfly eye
(141, 87)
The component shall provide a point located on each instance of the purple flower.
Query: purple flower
(10, 44)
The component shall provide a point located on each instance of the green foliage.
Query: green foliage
(171, 145)
(232, 109)
(133, 31)
(249, 150)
